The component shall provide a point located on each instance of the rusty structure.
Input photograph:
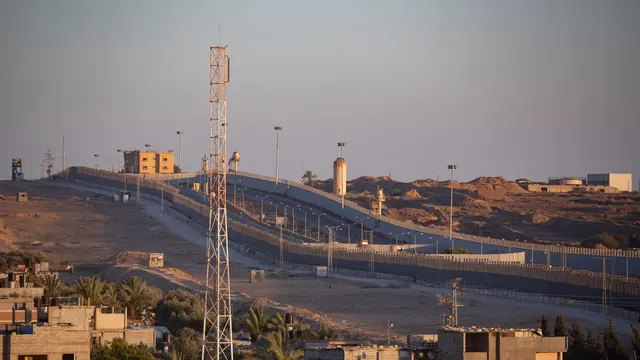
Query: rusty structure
(217, 338)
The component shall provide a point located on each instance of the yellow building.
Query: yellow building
(164, 162)
(148, 162)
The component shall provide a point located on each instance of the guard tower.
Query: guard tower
(16, 169)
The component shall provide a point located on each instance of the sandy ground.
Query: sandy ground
(91, 233)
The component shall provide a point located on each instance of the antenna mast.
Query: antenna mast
(216, 331)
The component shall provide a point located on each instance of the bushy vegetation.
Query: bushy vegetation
(457, 251)
(179, 309)
(585, 345)
(13, 258)
(619, 241)
(118, 349)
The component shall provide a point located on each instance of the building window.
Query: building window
(165, 159)
(145, 159)
(144, 168)
(68, 357)
(165, 168)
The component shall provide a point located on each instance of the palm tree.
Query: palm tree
(256, 321)
(276, 323)
(326, 332)
(51, 284)
(134, 294)
(176, 355)
(110, 295)
(308, 178)
(90, 288)
(276, 347)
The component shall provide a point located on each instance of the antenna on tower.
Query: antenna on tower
(217, 337)
(451, 301)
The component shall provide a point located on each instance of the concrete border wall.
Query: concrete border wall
(532, 278)
(575, 257)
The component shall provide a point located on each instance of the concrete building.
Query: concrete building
(457, 343)
(39, 328)
(148, 162)
(622, 182)
(165, 162)
(340, 177)
(569, 188)
(44, 342)
(571, 181)
(342, 350)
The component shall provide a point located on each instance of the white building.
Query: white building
(622, 182)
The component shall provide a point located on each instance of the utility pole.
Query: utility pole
(281, 247)
(604, 288)
(277, 129)
(63, 164)
(180, 132)
(389, 326)
(217, 334)
(332, 239)
(451, 167)
(138, 190)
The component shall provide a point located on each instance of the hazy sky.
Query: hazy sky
(514, 88)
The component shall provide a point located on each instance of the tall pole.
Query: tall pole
(319, 227)
(305, 223)
(604, 287)
(179, 132)
(451, 167)
(63, 168)
(217, 334)
(277, 129)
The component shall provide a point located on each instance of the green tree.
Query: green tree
(257, 322)
(544, 325)
(51, 284)
(180, 308)
(577, 343)
(136, 293)
(309, 178)
(118, 349)
(560, 329)
(593, 347)
(277, 347)
(635, 342)
(613, 350)
(176, 169)
(277, 323)
(188, 343)
(90, 288)
(326, 332)
(110, 296)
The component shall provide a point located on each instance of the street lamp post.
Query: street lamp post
(451, 167)
(277, 129)
(179, 132)
(305, 223)
(96, 156)
(319, 215)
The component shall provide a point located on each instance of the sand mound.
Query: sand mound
(3, 197)
(489, 180)
(539, 218)
(74, 198)
(412, 194)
